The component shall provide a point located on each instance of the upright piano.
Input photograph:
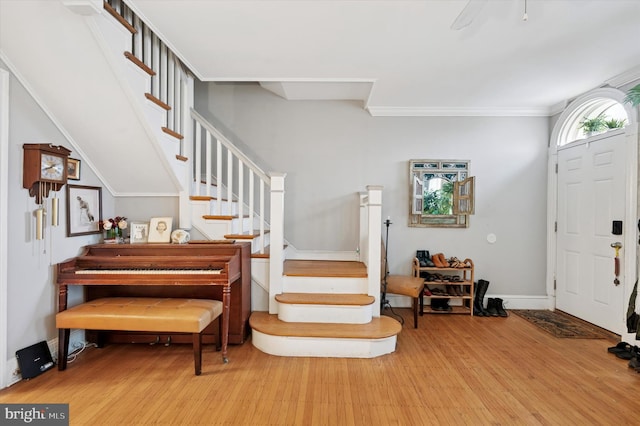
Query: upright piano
(205, 270)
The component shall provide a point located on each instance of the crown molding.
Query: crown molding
(626, 77)
(457, 112)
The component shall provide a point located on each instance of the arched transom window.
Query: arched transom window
(595, 116)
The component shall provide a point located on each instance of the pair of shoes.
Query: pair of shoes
(440, 305)
(620, 347)
(454, 290)
(628, 353)
(454, 262)
(495, 308)
(423, 257)
(427, 291)
(439, 260)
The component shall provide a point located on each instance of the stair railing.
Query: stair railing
(170, 78)
(225, 173)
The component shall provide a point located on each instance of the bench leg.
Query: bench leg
(63, 348)
(219, 339)
(415, 312)
(197, 352)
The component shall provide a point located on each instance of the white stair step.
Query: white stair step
(275, 337)
(325, 308)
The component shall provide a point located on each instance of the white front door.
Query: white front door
(591, 195)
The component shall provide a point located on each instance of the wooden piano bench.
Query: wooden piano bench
(406, 285)
(139, 314)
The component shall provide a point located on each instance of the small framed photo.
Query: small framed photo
(84, 210)
(160, 230)
(138, 233)
(73, 169)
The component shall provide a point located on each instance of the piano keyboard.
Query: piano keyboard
(149, 271)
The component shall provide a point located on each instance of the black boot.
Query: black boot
(423, 258)
(478, 304)
(500, 308)
(491, 307)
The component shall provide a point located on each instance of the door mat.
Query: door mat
(561, 325)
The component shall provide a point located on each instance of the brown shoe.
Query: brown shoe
(437, 260)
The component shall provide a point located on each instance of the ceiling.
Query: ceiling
(402, 57)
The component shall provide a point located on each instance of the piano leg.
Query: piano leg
(224, 335)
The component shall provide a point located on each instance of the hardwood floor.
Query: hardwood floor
(453, 369)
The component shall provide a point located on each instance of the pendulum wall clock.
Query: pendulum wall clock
(44, 169)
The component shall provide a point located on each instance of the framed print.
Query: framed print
(73, 169)
(84, 210)
(160, 230)
(138, 232)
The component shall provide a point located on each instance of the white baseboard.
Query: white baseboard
(509, 301)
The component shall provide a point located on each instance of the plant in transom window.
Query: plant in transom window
(593, 125)
(614, 123)
(633, 96)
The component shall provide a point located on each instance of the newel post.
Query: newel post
(364, 226)
(374, 243)
(276, 239)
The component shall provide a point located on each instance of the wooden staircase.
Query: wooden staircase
(322, 314)
(323, 308)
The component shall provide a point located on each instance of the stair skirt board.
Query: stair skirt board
(322, 347)
(325, 314)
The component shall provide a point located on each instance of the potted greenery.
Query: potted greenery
(614, 123)
(593, 125)
(633, 96)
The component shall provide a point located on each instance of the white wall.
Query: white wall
(330, 150)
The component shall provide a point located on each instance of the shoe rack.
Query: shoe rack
(447, 282)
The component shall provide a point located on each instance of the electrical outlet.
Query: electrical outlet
(14, 372)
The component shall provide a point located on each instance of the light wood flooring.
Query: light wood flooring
(454, 369)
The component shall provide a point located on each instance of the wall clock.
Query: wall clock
(44, 169)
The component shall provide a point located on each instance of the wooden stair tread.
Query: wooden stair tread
(267, 252)
(247, 236)
(379, 328)
(324, 268)
(325, 299)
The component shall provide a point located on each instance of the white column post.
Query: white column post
(374, 252)
(276, 234)
(364, 225)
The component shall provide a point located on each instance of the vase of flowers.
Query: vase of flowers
(114, 230)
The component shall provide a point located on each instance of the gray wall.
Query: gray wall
(331, 150)
(32, 293)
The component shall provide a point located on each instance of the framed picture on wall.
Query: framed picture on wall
(160, 229)
(73, 169)
(138, 233)
(84, 210)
